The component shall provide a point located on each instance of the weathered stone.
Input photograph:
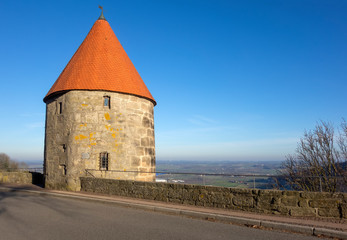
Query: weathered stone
(343, 210)
(146, 161)
(242, 201)
(142, 132)
(270, 202)
(144, 142)
(333, 212)
(278, 210)
(303, 203)
(276, 193)
(16, 177)
(140, 151)
(86, 127)
(150, 151)
(146, 122)
(323, 203)
(267, 202)
(291, 193)
(300, 211)
(289, 201)
(135, 161)
(314, 195)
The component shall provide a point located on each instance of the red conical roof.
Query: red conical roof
(100, 63)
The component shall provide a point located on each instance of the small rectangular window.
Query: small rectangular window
(60, 108)
(107, 101)
(63, 167)
(63, 148)
(104, 161)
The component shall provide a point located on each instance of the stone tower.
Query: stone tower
(99, 116)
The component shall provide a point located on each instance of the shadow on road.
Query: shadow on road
(10, 190)
(15, 192)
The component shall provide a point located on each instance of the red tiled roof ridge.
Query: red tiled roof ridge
(100, 63)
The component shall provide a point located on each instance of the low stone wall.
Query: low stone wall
(292, 203)
(21, 177)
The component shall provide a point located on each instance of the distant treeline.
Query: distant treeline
(7, 164)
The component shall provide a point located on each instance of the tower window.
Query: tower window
(104, 161)
(107, 101)
(63, 167)
(63, 147)
(60, 108)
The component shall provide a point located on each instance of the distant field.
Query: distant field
(232, 168)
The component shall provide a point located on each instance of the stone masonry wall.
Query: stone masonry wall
(16, 177)
(291, 203)
(79, 127)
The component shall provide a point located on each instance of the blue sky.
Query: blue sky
(234, 80)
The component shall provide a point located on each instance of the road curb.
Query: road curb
(308, 230)
(330, 233)
(288, 227)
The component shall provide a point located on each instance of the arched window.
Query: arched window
(104, 161)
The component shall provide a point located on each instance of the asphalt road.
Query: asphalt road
(31, 216)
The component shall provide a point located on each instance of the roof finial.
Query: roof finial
(102, 13)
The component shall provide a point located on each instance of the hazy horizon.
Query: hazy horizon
(182, 160)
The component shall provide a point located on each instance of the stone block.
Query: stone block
(295, 194)
(242, 201)
(146, 161)
(270, 194)
(150, 141)
(135, 161)
(276, 209)
(241, 191)
(315, 195)
(292, 201)
(266, 204)
(300, 211)
(329, 212)
(142, 132)
(144, 142)
(324, 203)
(146, 122)
(140, 151)
(150, 151)
(343, 210)
(135, 142)
(303, 203)
(150, 132)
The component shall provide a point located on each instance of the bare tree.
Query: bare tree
(4, 161)
(318, 165)
(6, 164)
(343, 139)
(343, 153)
